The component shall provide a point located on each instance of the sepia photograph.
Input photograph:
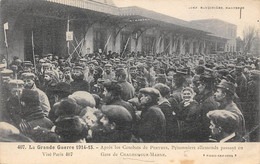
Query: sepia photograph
(147, 78)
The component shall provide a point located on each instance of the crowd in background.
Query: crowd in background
(131, 98)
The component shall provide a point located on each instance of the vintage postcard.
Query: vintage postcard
(130, 81)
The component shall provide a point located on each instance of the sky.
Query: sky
(191, 10)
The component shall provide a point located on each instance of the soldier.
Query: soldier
(13, 106)
(223, 125)
(252, 114)
(91, 67)
(78, 84)
(116, 124)
(152, 123)
(112, 96)
(32, 115)
(29, 83)
(108, 73)
(204, 97)
(128, 90)
(172, 131)
(224, 96)
(67, 75)
(50, 81)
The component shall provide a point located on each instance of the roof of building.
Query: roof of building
(104, 6)
(143, 16)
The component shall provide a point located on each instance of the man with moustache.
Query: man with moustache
(224, 95)
(29, 83)
(108, 73)
(128, 90)
(78, 83)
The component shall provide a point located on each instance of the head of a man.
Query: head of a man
(120, 74)
(222, 123)
(115, 118)
(28, 79)
(149, 96)
(112, 91)
(205, 83)
(77, 73)
(225, 91)
(16, 87)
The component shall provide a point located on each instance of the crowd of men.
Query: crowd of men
(131, 98)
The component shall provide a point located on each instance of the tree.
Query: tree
(250, 33)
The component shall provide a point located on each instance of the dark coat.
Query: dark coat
(79, 85)
(232, 107)
(49, 90)
(241, 89)
(126, 105)
(31, 117)
(151, 127)
(172, 130)
(175, 100)
(190, 121)
(128, 90)
(100, 135)
(206, 104)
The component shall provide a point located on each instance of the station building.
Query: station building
(99, 25)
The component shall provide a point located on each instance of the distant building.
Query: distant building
(222, 29)
(100, 25)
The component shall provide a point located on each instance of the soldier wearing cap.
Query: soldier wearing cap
(224, 95)
(15, 87)
(179, 81)
(79, 84)
(91, 67)
(98, 74)
(170, 116)
(133, 73)
(12, 113)
(223, 125)
(67, 75)
(108, 73)
(128, 90)
(149, 72)
(29, 83)
(139, 83)
(112, 96)
(152, 123)
(116, 124)
(6, 75)
(204, 96)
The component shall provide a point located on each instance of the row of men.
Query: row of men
(168, 111)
